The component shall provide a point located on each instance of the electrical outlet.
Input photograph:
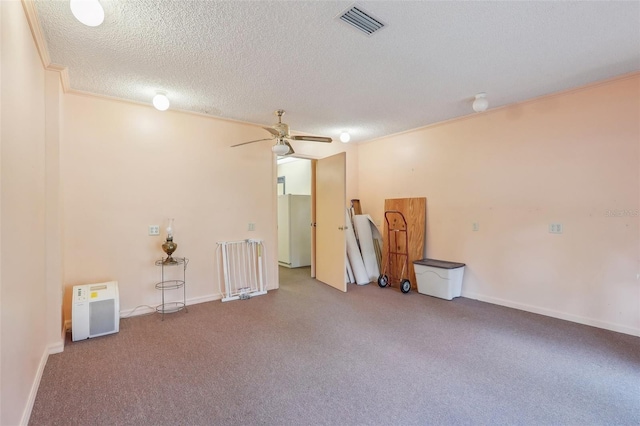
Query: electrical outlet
(154, 229)
(555, 228)
(475, 227)
(252, 227)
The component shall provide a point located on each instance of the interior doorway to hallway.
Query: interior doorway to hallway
(325, 222)
(295, 211)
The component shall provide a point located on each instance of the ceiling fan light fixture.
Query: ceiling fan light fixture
(280, 149)
(481, 103)
(345, 137)
(280, 134)
(89, 12)
(161, 102)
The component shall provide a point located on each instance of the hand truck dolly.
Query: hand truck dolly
(397, 253)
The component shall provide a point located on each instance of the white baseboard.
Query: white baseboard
(56, 348)
(143, 310)
(554, 314)
(204, 299)
(26, 414)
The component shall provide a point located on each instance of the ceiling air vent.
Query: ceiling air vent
(361, 20)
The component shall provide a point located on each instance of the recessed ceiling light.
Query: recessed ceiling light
(161, 102)
(89, 12)
(345, 137)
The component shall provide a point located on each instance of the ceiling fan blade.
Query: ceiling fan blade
(291, 151)
(273, 131)
(257, 140)
(311, 138)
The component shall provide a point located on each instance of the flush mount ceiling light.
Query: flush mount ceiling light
(89, 12)
(481, 103)
(161, 102)
(345, 137)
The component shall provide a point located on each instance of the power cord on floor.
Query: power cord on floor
(153, 311)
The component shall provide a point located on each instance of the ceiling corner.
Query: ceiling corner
(36, 31)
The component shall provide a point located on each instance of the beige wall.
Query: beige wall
(568, 158)
(27, 334)
(53, 212)
(82, 178)
(126, 166)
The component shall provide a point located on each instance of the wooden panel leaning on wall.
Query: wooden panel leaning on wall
(415, 213)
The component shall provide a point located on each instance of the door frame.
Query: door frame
(314, 162)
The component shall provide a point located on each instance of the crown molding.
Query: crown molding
(36, 31)
(64, 75)
(41, 44)
(588, 86)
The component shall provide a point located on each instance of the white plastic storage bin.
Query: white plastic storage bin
(439, 278)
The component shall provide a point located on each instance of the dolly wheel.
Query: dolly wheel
(383, 281)
(405, 286)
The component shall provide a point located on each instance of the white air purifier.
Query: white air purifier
(95, 311)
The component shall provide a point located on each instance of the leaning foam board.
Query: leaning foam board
(363, 224)
(350, 278)
(377, 242)
(353, 252)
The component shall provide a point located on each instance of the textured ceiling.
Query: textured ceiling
(243, 59)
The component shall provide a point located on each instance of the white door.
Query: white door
(330, 216)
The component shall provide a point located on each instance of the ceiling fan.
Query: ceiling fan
(280, 133)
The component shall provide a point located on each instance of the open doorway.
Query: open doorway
(326, 222)
(294, 212)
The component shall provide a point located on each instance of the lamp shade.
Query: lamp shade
(481, 103)
(280, 149)
(89, 12)
(170, 228)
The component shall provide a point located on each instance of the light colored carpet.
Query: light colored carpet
(307, 354)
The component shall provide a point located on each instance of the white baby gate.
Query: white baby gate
(243, 269)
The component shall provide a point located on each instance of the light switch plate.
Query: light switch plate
(555, 228)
